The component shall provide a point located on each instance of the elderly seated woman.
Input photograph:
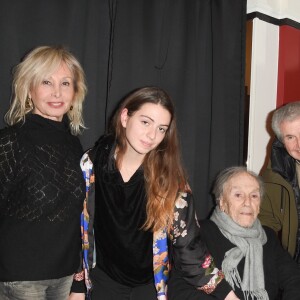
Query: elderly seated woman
(251, 257)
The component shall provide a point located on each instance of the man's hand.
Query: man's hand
(81, 296)
(231, 296)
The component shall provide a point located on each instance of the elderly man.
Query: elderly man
(280, 209)
(250, 255)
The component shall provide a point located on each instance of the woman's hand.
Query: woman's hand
(231, 296)
(77, 296)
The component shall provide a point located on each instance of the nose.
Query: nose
(56, 91)
(247, 201)
(151, 134)
(298, 143)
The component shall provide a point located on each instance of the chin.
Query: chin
(246, 224)
(296, 156)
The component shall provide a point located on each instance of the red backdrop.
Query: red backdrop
(288, 87)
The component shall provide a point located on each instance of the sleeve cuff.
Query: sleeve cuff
(222, 290)
(78, 287)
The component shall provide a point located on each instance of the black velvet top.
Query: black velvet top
(123, 249)
(41, 196)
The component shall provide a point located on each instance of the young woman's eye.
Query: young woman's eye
(162, 130)
(146, 123)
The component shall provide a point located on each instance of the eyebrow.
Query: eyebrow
(65, 77)
(153, 120)
(288, 135)
(240, 189)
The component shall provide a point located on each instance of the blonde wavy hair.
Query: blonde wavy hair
(163, 171)
(30, 73)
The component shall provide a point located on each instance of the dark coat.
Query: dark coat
(279, 268)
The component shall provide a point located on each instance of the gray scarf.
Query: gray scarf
(249, 242)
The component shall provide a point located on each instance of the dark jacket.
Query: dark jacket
(279, 268)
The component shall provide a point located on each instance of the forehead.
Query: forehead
(242, 181)
(156, 112)
(63, 70)
(288, 126)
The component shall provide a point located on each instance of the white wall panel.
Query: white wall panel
(263, 90)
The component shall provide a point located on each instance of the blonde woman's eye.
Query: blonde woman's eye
(46, 82)
(66, 83)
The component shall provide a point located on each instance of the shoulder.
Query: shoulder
(269, 175)
(9, 130)
(270, 233)
(8, 135)
(273, 180)
(273, 242)
(184, 207)
(212, 235)
(85, 162)
(208, 228)
(102, 145)
(268, 230)
(184, 199)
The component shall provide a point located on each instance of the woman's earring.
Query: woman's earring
(71, 107)
(28, 104)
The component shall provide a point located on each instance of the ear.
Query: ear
(124, 117)
(222, 203)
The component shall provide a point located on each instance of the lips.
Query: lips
(56, 104)
(247, 214)
(147, 145)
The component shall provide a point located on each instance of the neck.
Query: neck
(131, 161)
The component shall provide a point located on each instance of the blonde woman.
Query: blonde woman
(42, 188)
(137, 200)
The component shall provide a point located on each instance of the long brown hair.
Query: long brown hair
(163, 171)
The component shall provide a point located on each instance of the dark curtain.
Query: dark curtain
(194, 49)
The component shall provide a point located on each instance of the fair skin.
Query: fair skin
(144, 130)
(231, 296)
(55, 95)
(77, 296)
(290, 132)
(241, 199)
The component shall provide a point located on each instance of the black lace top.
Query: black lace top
(41, 196)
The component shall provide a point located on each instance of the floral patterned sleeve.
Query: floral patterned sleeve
(189, 253)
